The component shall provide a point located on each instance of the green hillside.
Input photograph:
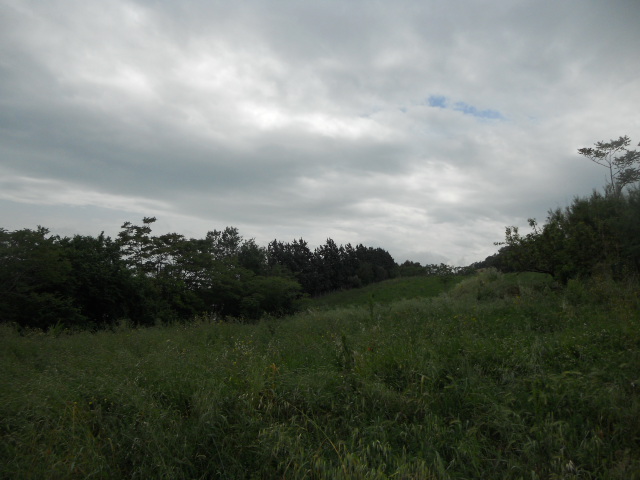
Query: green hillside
(387, 291)
(500, 377)
(406, 288)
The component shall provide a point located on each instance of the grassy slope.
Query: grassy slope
(485, 382)
(387, 292)
(406, 288)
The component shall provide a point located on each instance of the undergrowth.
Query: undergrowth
(501, 377)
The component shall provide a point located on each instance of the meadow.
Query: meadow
(389, 291)
(494, 376)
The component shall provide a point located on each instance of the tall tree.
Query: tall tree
(99, 281)
(327, 261)
(252, 257)
(295, 259)
(623, 164)
(225, 243)
(137, 247)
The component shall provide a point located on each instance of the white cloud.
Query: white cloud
(49, 192)
(420, 127)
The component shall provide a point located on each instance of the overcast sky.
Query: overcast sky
(422, 127)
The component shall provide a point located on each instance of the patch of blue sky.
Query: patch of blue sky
(440, 101)
(471, 110)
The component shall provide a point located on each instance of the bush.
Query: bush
(594, 233)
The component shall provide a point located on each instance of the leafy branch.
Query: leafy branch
(623, 164)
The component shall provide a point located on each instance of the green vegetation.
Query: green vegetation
(92, 283)
(597, 234)
(386, 292)
(437, 374)
(593, 235)
(503, 376)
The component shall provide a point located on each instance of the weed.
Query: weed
(485, 381)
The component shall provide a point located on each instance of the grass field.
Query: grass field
(402, 288)
(500, 377)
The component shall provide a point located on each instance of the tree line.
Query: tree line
(145, 279)
(413, 269)
(599, 234)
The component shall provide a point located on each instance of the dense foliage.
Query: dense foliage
(502, 377)
(146, 279)
(593, 234)
(331, 267)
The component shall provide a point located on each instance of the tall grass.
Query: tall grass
(485, 381)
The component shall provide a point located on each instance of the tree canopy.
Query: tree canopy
(623, 164)
(145, 278)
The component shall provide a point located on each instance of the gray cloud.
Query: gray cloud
(420, 127)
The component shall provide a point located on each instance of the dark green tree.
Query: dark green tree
(34, 280)
(596, 233)
(269, 295)
(252, 257)
(411, 269)
(375, 264)
(225, 243)
(137, 246)
(101, 285)
(294, 260)
(328, 265)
